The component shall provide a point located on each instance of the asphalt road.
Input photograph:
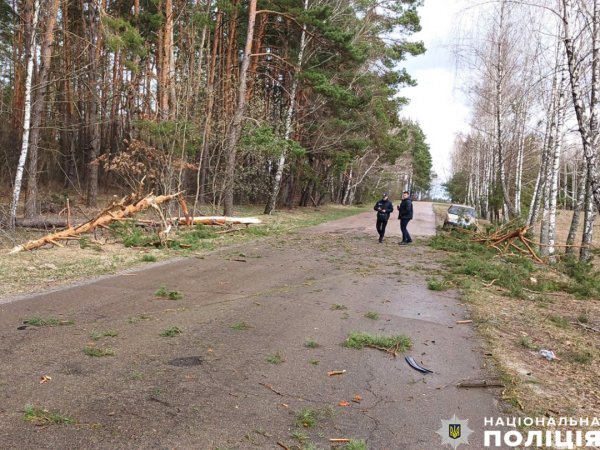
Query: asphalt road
(240, 372)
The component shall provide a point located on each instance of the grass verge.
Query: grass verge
(522, 308)
(124, 246)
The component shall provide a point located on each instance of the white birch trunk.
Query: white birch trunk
(26, 120)
(587, 127)
(349, 185)
(554, 182)
(581, 190)
(588, 223)
(520, 157)
(288, 123)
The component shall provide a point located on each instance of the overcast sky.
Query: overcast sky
(436, 102)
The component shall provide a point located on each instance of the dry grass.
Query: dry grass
(517, 329)
(38, 270)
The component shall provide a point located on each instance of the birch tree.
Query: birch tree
(31, 201)
(27, 116)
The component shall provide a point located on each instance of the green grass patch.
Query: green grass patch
(241, 326)
(399, 343)
(163, 292)
(355, 445)
(372, 315)
(193, 239)
(97, 335)
(43, 416)
(559, 321)
(476, 260)
(526, 342)
(98, 352)
(37, 321)
(314, 362)
(275, 358)
(583, 318)
(436, 285)
(130, 235)
(300, 437)
(139, 318)
(578, 356)
(585, 280)
(310, 343)
(307, 417)
(171, 332)
(338, 307)
(149, 258)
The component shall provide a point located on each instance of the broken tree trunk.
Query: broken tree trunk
(44, 223)
(127, 207)
(215, 220)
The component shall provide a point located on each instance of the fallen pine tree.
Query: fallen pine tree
(124, 210)
(214, 220)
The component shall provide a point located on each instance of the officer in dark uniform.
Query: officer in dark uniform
(384, 208)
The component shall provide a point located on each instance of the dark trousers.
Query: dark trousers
(405, 235)
(381, 224)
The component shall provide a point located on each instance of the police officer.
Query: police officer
(384, 208)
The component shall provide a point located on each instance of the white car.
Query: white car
(461, 216)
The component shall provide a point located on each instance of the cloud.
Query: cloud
(435, 103)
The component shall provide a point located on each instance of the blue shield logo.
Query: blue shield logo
(454, 430)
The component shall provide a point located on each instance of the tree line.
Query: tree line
(289, 102)
(533, 140)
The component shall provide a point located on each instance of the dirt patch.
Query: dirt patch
(518, 329)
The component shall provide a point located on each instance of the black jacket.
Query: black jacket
(384, 208)
(405, 209)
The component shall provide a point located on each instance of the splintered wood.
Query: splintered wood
(508, 238)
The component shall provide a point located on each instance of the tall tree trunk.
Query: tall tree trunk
(288, 123)
(27, 117)
(587, 127)
(554, 182)
(93, 125)
(499, 107)
(234, 130)
(581, 190)
(170, 60)
(588, 223)
(548, 176)
(31, 200)
(520, 157)
(206, 133)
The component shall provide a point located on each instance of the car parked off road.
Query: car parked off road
(461, 216)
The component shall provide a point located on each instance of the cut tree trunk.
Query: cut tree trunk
(215, 220)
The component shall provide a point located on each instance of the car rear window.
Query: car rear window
(461, 211)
